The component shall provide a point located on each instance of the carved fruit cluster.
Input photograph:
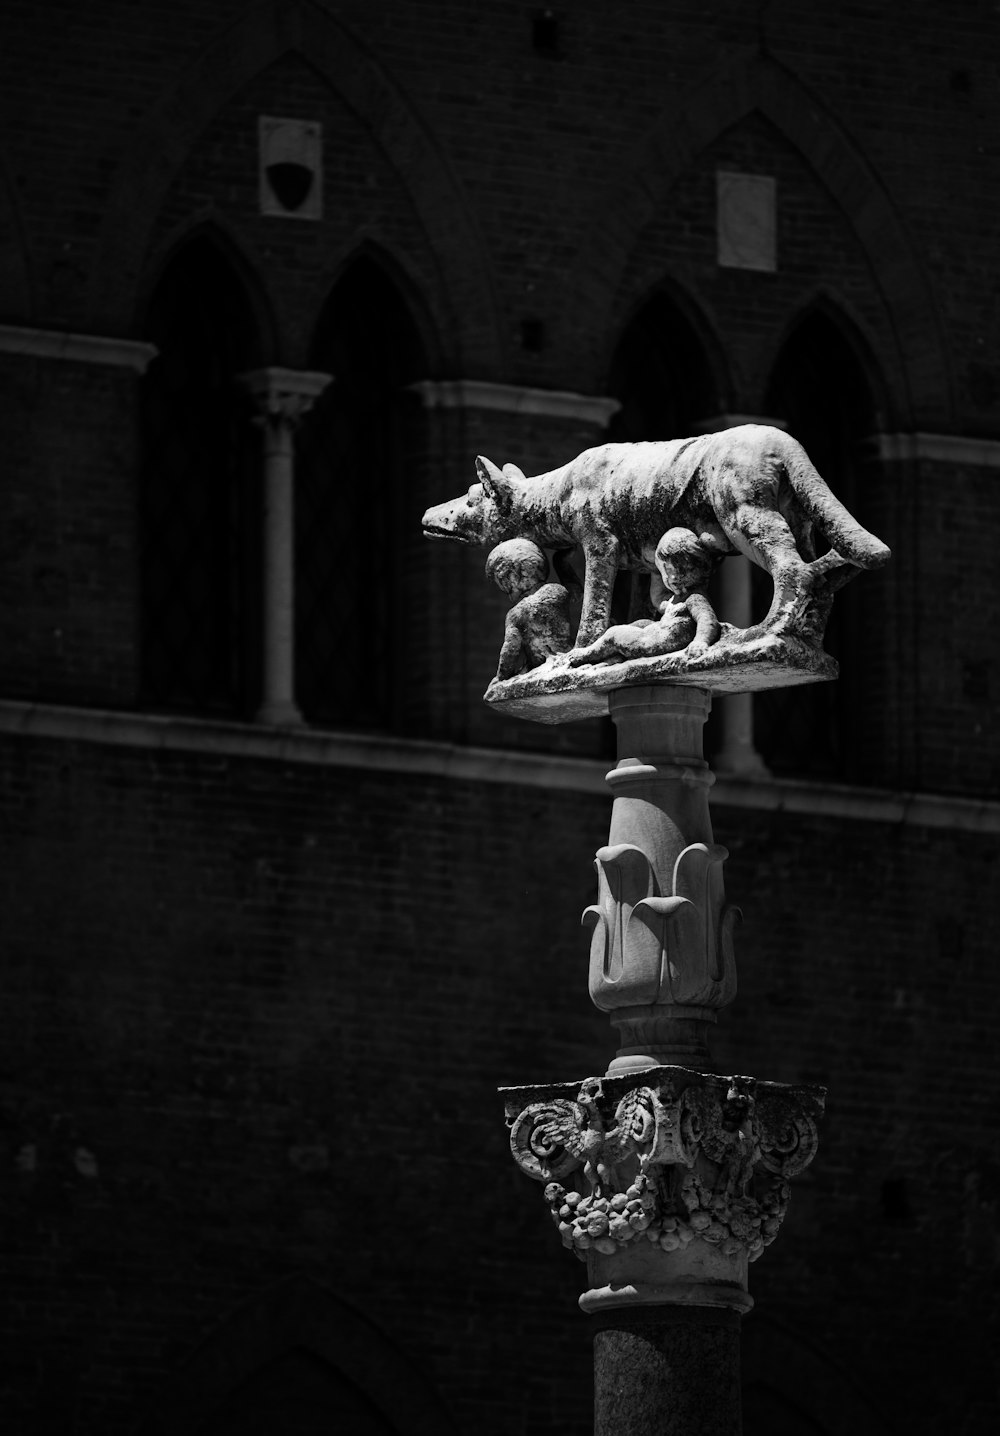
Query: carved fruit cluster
(608, 1223)
(604, 1223)
(733, 1221)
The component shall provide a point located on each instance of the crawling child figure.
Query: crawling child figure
(538, 625)
(677, 592)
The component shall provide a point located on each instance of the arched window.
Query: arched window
(662, 376)
(199, 535)
(350, 473)
(669, 388)
(820, 389)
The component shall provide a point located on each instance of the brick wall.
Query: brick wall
(68, 598)
(256, 1014)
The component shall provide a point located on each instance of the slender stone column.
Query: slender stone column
(668, 1369)
(737, 757)
(282, 397)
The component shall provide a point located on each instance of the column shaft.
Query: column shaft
(282, 397)
(278, 677)
(737, 755)
(673, 1371)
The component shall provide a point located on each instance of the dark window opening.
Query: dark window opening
(819, 389)
(353, 450)
(661, 376)
(198, 494)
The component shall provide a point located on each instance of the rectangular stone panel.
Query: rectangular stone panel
(746, 228)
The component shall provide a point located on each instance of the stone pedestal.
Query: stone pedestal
(661, 958)
(666, 1178)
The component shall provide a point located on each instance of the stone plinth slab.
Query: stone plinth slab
(557, 693)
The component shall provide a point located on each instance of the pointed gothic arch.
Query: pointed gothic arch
(833, 315)
(355, 453)
(301, 1340)
(825, 389)
(463, 300)
(211, 232)
(917, 371)
(668, 368)
(198, 581)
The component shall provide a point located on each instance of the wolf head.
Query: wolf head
(485, 515)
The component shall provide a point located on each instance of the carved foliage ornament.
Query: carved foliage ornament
(651, 948)
(679, 1158)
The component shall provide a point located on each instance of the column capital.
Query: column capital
(282, 396)
(667, 1182)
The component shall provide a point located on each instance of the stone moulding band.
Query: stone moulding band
(721, 1295)
(83, 348)
(375, 753)
(937, 448)
(514, 399)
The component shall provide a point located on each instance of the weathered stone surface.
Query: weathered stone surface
(667, 1371)
(750, 490)
(667, 1182)
(557, 693)
(538, 625)
(661, 952)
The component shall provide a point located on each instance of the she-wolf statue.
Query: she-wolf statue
(750, 490)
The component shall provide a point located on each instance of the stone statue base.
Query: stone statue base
(557, 693)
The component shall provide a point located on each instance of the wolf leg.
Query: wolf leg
(601, 559)
(764, 536)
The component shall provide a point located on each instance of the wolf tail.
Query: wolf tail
(840, 527)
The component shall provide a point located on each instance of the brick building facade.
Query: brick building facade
(261, 981)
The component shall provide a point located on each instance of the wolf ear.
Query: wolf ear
(516, 475)
(495, 484)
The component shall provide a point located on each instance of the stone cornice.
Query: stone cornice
(83, 348)
(376, 753)
(937, 448)
(513, 399)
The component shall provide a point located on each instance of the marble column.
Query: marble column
(667, 1178)
(282, 397)
(737, 756)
